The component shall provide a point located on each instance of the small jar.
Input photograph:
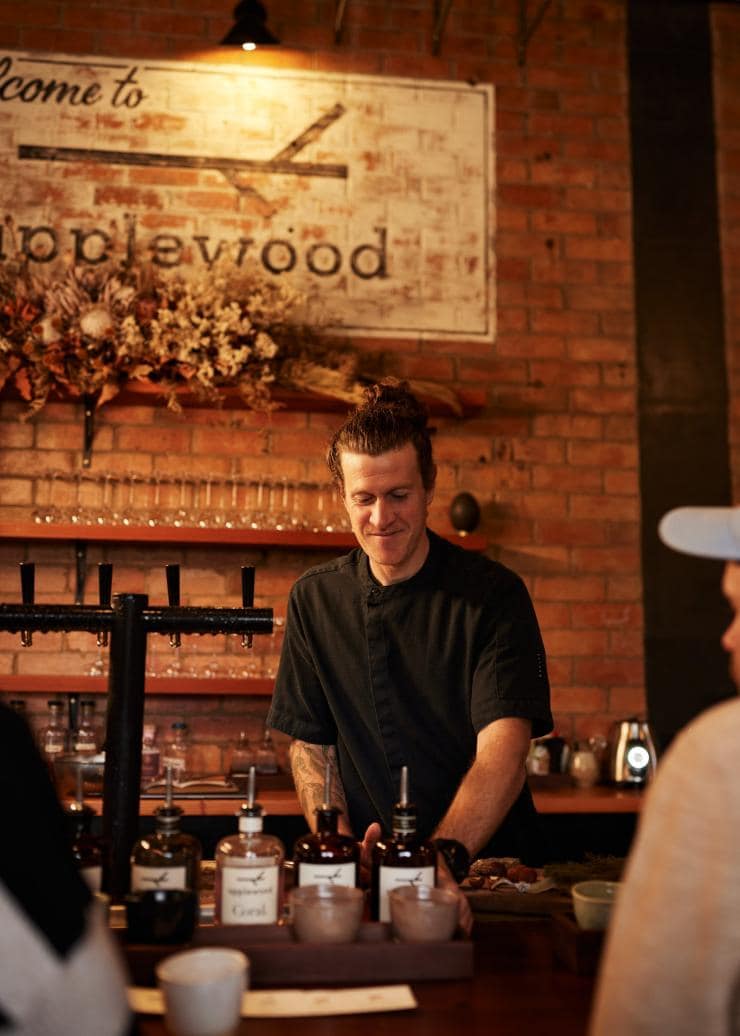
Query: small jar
(584, 766)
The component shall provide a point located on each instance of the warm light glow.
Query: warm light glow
(249, 46)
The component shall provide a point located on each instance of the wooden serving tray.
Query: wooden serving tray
(511, 901)
(277, 959)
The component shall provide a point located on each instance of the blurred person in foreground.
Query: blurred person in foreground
(411, 651)
(671, 963)
(61, 972)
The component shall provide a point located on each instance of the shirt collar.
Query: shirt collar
(426, 576)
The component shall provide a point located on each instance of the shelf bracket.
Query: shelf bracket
(441, 10)
(89, 430)
(80, 570)
(339, 10)
(527, 29)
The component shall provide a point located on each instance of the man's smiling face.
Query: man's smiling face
(388, 506)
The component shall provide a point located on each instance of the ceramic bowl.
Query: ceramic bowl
(420, 913)
(593, 902)
(326, 913)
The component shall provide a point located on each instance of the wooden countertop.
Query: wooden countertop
(516, 984)
(555, 794)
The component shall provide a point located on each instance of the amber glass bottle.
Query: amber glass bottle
(401, 859)
(87, 848)
(169, 858)
(326, 857)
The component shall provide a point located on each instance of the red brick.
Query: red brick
(581, 426)
(573, 643)
(553, 615)
(565, 478)
(626, 642)
(608, 616)
(559, 221)
(529, 345)
(565, 323)
(569, 588)
(16, 436)
(624, 483)
(627, 701)
(572, 533)
(555, 372)
(624, 588)
(579, 699)
(627, 672)
(603, 506)
(603, 454)
(603, 401)
(606, 559)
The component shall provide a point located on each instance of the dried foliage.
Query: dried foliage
(88, 330)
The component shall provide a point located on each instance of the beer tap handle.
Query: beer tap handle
(28, 584)
(247, 597)
(105, 585)
(173, 597)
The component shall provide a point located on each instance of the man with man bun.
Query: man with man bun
(411, 651)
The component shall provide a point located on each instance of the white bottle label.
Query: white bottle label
(397, 877)
(93, 877)
(327, 873)
(145, 878)
(249, 895)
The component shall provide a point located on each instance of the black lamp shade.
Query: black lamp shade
(249, 26)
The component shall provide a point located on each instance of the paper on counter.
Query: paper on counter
(296, 1003)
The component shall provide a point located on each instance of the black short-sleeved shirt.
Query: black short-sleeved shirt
(408, 674)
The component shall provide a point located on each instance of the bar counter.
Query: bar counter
(556, 794)
(517, 986)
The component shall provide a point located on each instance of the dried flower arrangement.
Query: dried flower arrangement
(88, 330)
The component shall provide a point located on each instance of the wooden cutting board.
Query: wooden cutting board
(511, 901)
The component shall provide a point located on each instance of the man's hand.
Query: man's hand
(446, 881)
(372, 835)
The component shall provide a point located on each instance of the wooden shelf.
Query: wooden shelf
(141, 393)
(217, 537)
(560, 796)
(17, 683)
(602, 799)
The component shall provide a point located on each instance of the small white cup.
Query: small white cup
(203, 989)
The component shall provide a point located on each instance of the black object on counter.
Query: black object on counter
(161, 916)
(129, 621)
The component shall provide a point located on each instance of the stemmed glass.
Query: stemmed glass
(154, 515)
(180, 514)
(129, 515)
(47, 513)
(282, 516)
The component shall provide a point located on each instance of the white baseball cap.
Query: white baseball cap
(708, 532)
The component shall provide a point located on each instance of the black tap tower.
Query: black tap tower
(128, 622)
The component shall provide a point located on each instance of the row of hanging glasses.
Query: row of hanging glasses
(198, 656)
(188, 501)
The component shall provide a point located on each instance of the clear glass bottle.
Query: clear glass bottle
(168, 858)
(241, 759)
(326, 857)
(85, 740)
(150, 756)
(177, 752)
(401, 859)
(53, 736)
(249, 870)
(266, 760)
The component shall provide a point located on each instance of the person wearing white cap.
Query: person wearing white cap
(671, 962)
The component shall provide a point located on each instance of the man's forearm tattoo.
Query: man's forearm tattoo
(308, 766)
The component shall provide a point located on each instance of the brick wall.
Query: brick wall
(552, 456)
